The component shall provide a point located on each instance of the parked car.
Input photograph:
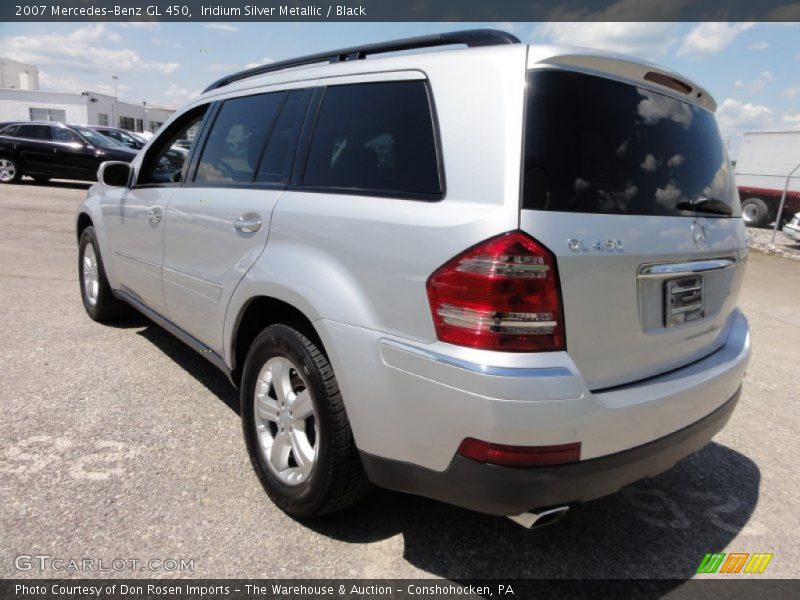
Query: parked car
(765, 160)
(511, 304)
(126, 138)
(45, 151)
(792, 228)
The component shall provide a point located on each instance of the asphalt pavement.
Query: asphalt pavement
(118, 442)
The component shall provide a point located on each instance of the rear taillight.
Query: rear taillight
(502, 294)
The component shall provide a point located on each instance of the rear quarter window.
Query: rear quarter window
(375, 137)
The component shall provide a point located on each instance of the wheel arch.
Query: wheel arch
(83, 221)
(257, 313)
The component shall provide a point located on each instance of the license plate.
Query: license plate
(683, 300)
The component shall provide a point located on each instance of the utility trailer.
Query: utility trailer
(765, 160)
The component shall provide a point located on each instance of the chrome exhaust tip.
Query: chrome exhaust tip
(535, 520)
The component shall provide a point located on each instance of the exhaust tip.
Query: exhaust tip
(542, 518)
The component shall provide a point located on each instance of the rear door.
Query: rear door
(35, 149)
(217, 224)
(632, 189)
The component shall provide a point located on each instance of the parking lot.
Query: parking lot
(119, 442)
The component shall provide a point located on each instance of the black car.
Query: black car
(120, 135)
(46, 151)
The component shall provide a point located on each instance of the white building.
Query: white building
(18, 76)
(21, 100)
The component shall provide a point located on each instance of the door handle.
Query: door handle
(155, 214)
(247, 223)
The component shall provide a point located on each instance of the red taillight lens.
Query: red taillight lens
(502, 294)
(519, 456)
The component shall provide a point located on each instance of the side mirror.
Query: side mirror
(114, 173)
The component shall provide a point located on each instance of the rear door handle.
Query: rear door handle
(155, 214)
(247, 223)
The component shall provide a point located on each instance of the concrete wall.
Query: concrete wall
(17, 75)
(80, 109)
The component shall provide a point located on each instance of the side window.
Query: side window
(167, 159)
(61, 134)
(375, 136)
(236, 140)
(276, 164)
(34, 132)
(10, 131)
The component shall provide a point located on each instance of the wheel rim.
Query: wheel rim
(750, 213)
(91, 284)
(286, 422)
(7, 170)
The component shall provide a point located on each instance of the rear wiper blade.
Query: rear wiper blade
(703, 204)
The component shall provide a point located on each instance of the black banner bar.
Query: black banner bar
(386, 589)
(399, 10)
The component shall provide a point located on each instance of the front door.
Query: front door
(135, 219)
(218, 222)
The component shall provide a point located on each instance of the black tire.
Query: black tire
(105, 307)
(6, 163)
(755, 212)
(337, 478)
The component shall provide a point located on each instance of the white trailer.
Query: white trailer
(765, 159)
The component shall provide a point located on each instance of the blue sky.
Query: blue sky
(753, 70)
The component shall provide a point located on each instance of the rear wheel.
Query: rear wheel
(9, 170)
(295, 426)
(755, 212)
(98, 300)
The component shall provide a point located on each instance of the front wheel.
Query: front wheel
(98, 300)
(295, 426)
(9, 170)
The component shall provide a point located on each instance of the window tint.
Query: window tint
(167, 159)
(233, 148)
(276, 164)
(595, 145)
(11, 130)
(34, 132)
(61, 134)
(375, 136)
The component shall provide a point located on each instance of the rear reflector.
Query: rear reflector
(519, 456)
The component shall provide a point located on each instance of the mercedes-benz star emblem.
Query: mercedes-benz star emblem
(699, 234)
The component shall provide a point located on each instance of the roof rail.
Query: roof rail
(472, 38)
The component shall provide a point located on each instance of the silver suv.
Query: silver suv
(504, 276)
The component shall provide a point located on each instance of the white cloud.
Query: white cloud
(668, 194)
(83, 49)
(757, 84)
(792, 121)
(676, 161)
(711, 38)
(219, 67)
(264, 61)
(648, 40)
(657, 106)
(76, 86)
(735, 116)
(148, 25)
(758, 46)
(792, 91)
(179, 94)
(227, 27)
(649, 163)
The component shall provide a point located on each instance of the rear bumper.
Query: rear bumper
(511, 491)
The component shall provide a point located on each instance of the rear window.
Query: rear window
(594, 145)
(375, 137)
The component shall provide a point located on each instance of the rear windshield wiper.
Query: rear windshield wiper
(703, 204)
